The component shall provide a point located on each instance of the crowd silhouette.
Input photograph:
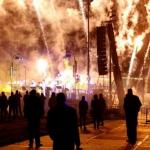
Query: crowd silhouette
(62, 119)
(13, 107)
(10, 107)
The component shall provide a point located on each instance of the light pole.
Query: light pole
(12, 71)
(25, 75)
(11, 75)
(88, 45)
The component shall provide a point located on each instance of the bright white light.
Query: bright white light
(21, 3)
(42, 66)
(1, 2)
(139, 42)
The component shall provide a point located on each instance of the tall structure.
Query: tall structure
(101, 50)
(88, 43)
(116, 68)
(102, 59)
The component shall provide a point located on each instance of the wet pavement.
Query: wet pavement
(110, 137)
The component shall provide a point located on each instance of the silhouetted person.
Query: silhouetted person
(33, 112)
(25, 100)
(18, 104)
(83, 109)
(102, 108)
(63, 126)
(95, 106)
(132, 106)
(52, 101)
(4, 105)
(11, 101)
(43, 98)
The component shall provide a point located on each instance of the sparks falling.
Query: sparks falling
(63, 25)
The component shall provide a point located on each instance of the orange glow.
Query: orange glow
(42, 66)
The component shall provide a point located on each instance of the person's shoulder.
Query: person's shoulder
(85, 101)
(126, 95)
(80, 101)
(135, 96)
(51, 111)
(70, 108)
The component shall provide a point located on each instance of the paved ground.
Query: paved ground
(110, 137)
(16, 130)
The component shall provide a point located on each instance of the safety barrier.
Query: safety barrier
(144, 114)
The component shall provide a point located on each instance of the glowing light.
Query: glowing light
(138, 42)
(5, 88)
(42, 66)
(21, 3)
(144, 64)
(61, 22)
(83, 17)
(2, 10)
(36, 4)
(1, 2)
(131, 65)
(67, 77)
(66, 63)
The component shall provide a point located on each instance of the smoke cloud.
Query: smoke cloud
(43, 28)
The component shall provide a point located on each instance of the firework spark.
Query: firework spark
(63, 23)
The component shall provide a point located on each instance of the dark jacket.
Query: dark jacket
(83, 107)
(131, 105)
(33, 107)
(63, 127)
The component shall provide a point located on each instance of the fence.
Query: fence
(144, 115)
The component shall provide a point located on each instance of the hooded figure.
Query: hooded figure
(132, 106)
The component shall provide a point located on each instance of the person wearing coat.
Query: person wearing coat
(62, 125)
(83, 109)
(33, 112)
(131, 106)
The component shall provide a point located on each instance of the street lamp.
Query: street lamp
(88, 45)
(25, 75)
(14, 57)
(11, 75)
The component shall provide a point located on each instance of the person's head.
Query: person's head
(42, 94)
(83, 98)
(100, 95)
(12, 93)
(95, 96)
(17, 91)
(53, 94)
(60, 98)
(33, 92)
(130, 92)
(3, 93)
